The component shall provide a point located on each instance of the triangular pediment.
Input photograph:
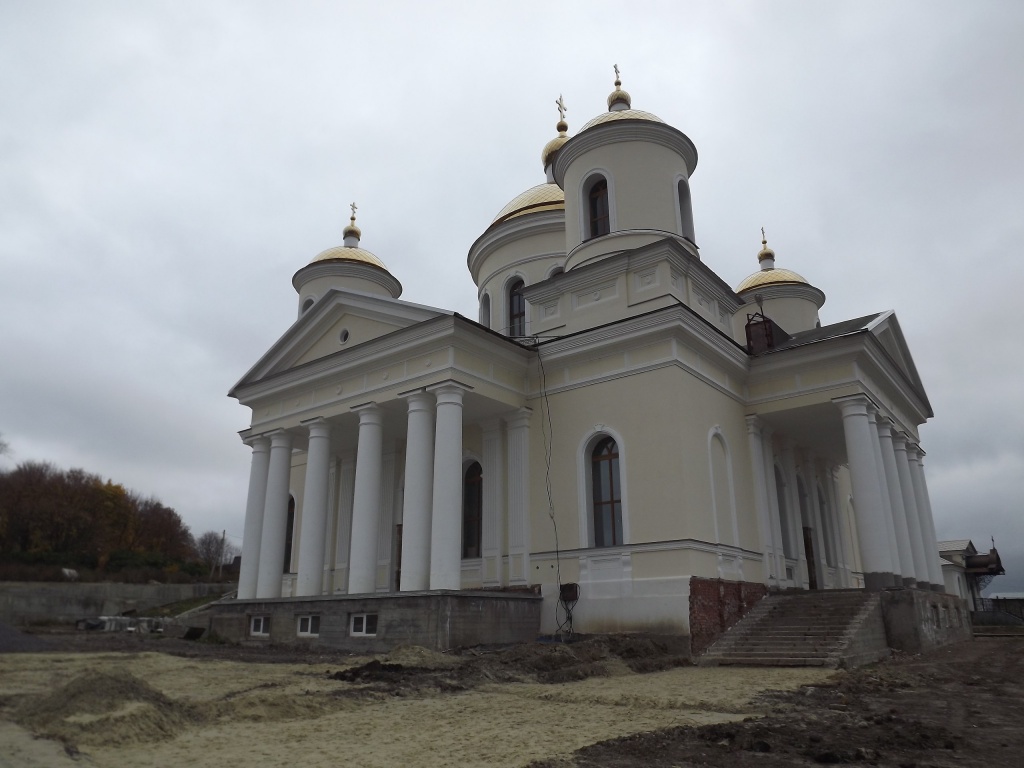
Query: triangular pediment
(339, 321)
(886, 330)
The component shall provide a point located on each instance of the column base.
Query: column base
(876, 582)
(937, 587)
(909, 583)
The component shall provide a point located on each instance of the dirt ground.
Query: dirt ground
(117, 699)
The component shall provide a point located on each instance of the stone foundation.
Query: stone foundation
(440, 620)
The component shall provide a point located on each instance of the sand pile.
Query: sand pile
(104, 707)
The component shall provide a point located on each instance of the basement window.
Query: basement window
(363, 624)
(309, 626)
(259, 626)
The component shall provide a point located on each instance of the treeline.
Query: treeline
(52, 519)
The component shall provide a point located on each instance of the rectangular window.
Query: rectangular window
(309, 626)
(363, 624)
(259, 626)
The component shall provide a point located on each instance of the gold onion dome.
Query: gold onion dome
(555, 144)
(772, 276)
(620, 108)
(769, 274)
(618, 96)
(350, 251)
(543, 197)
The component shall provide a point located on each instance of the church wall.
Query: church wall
(663, 418)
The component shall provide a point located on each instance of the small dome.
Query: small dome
(770, 277)
(543, 197)
(618, 96)
(349, 253)
(622, 114)
(555, 144)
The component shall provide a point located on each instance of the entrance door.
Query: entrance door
(812, 563)
(398, 558)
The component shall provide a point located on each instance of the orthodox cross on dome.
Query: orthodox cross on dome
(764, 240)
(353, 207)
(561, 107)
(616, 68)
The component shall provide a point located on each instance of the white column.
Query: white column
(519, 496)
(921, 571)
(899, 514)
(795, 517)
(883, 485)
(770, 572)
(343, 541)
(924, 507)
(419, 489)
(446, 522)
(820, 528)
(842, 555)
(872, 531)
(331, 531)
(254, 505)
(275, 516)
(386, 524)
(362, 561)
(493, 466)
(774, 512)
(314, 510)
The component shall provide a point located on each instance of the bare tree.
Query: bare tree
(5, 447)
(212, 550)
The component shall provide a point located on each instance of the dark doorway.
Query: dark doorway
(289, 534)
(812, 563)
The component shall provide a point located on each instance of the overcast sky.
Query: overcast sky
(165, 168)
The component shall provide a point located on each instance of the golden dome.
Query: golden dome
(622, 114)
(618, 96)
(555, 144)
(543, 197)
(771, 277)
(349, 253)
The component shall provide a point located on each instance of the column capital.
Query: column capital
(520, 418)
(419, 400)
(258, 443)
(280, 438)
(317, 426)
(449, 389)
(753, 424)
(853, 405)
(369, 413)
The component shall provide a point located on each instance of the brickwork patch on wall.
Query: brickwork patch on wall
(717, 604)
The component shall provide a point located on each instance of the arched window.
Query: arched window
(598, 222)
(289, 534)
(516, 309)
(485, 310)
(607, 494)
(472, 510)
(685, 210)
(307, 304)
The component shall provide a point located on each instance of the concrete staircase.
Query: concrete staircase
(834, 628)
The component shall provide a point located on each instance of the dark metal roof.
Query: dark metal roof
(825, 332)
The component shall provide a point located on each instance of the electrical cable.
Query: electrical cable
(564, 626)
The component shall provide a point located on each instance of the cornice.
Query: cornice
(341, 268)
(395, 347)
(619, 131)
(509, 231)
(672, 545)
(786, 291)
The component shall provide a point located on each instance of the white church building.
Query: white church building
(617, 417)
